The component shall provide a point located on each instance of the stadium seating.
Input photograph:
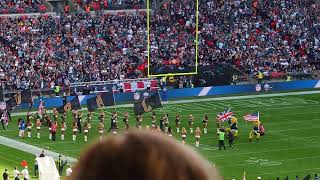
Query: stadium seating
(43, 51)
(21, 6)
(110, 4)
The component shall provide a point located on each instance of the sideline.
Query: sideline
(36, 150)
(31, 149)
(202, 100)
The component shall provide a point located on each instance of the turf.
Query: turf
(10, 158)
(290, 146)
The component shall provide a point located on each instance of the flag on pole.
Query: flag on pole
(147, 104)
(225, 115)
(252, 117)
(26, 96)
(244, 175)
(101, 100)
(74, 104)
(11, 103)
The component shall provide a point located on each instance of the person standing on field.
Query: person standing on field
(221, 136)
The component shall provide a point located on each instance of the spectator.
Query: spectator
(147, 151)
(25, 173)
(42, 154)
(15, 172)
(47, 51)
(69, 171)
(21, 6)
(5, 175)
(17, 177)
(36, 167)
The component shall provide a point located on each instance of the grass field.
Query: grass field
(9, 158)
(290, 146)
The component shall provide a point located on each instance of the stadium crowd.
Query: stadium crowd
(270, 36)
(21, 6)
(109, 4)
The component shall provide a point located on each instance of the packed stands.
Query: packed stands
(273, 37)
(21, 6)
(88, 5)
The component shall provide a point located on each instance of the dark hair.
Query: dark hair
(142, 155)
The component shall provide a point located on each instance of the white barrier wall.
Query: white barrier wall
(47, 169)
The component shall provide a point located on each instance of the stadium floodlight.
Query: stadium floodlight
(196, 43)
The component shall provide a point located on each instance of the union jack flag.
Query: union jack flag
(252, 117)
(225, 115)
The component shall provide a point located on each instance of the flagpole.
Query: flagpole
(31, 105)
(164, 110)
(114, 100)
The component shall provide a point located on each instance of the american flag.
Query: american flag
(41, 107)
(252, 117)
(223, 116)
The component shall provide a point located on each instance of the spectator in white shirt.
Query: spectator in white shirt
(15, 172)
(25, 173)
(69, 171)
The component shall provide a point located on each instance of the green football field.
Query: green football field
(290, 147)
(10, 158)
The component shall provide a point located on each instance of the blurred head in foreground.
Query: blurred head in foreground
(142, 156)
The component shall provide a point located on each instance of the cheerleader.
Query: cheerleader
(197, 135)
(74, 130)
(170, 132)
(139, 121)
(85, 131)
(79, 121)
(48, 120)
(153, 120)
(205, 124)
(178, 122)
(29, 117)
(126, 120)
(114, 121)
(161, 126)
(190, 122)
(101, 129)
(166, 123)
(89, 118)
(75, 115)
(184, 135)
(63, 129)
(101, 116)
(38, 127)
(29, 127)
(64, 116)
(55, 114)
